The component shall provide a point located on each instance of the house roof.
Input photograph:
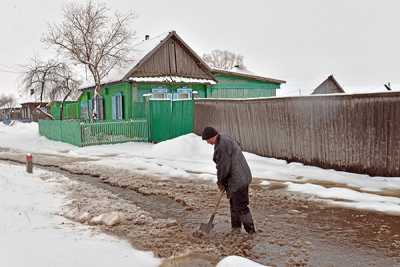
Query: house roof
(199, 69)
(246, 74)
(148, 48)
(144, 50)
(329, 86)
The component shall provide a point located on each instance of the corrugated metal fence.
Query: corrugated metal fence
(357, 133)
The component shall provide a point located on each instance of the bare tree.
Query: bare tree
(223, 59)
(66, 86)
(90, 36)
(40, 76)
(51, 79)
(7, 101)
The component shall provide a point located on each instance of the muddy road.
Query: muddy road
(161, 215)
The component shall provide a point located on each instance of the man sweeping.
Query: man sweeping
(234, 176)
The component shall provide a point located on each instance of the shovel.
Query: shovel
(207, 227)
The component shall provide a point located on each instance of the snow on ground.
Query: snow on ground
(236, 261)
(190, 157)
(349, 198)
(32, 234)
(30, 226)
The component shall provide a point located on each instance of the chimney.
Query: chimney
(147, 37)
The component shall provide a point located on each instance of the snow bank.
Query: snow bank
(190, 157)
(350, 198)
(185, 147)
(30, 227)
(25, 137)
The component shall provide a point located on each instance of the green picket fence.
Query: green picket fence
(154, 121)
(114, 132)
(87, 133)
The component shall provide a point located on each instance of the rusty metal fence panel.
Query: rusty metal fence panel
(358, 133)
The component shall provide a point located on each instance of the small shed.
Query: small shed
(29, 111)
(329, 86)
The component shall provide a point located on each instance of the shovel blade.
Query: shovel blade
(207, 227)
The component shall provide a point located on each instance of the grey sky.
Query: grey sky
(301, 42)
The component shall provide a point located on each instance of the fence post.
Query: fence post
(29, 163)
(147, 110)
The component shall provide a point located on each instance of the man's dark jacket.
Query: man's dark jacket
(232, 169)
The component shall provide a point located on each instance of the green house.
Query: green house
(167, 68)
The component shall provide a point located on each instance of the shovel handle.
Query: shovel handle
(219, 201)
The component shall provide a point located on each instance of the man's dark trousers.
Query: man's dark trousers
(240, 212)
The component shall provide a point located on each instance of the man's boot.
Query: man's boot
(236, 230)
(248, 224)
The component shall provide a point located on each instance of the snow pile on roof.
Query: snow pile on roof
(139, 51)
(142, 48)
(115, 75)
(236, 69)
(242, 70)
(171, 79)
(27, 98)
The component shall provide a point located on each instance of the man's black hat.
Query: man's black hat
(208, 133)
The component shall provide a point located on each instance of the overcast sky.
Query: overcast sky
(301, 42)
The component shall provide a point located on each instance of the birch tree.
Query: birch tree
(89, 35)
(223, 59)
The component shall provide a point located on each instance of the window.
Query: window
(117, 107)
(160, 93)
(183, 93)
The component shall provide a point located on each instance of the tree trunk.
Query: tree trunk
(95, 111)
(62, 105)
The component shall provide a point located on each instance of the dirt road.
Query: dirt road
(161, 215)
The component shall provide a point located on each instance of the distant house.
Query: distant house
(329, 86)
(7, 114)
(168, 68)
(29, 111)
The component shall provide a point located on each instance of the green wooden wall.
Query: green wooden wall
(228, 86)
(71, 110)
(133, 100)
(107, 92)
(232, 86)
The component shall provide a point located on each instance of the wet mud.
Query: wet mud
(161, 215)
